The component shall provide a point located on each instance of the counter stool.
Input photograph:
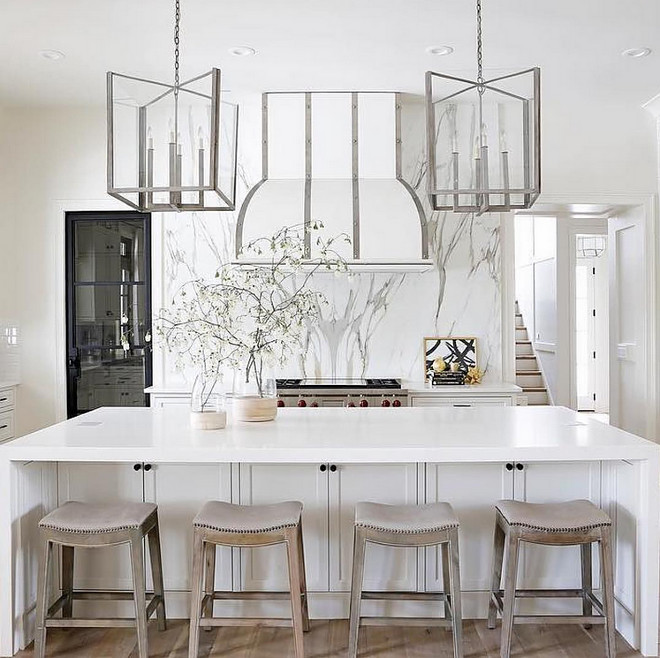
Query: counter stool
(224, 524)
(91, 526)
(411, 526)
(578, 522)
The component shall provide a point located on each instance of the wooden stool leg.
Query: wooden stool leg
(139, 595)
(209, 579)
(196, 594)
(67, 580)
(455, 587)
(607, 577)
(42, 597)
(587, 607)
(303, 579)
(295, 588)
(359, 545)
(157, 575)
(512, 546)
(498, 559)
(446, 578)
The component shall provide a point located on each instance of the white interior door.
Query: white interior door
(585, 333)
(628, 309)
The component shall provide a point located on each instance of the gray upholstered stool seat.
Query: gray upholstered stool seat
(405, 518)
(411, 526)
(572, 516)
(84, 518)
(225, 517)
(75, 526)
(573, 523)
(247, 526)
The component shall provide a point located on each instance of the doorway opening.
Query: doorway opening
(108, 310)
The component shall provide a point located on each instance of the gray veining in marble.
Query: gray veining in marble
(374, 322)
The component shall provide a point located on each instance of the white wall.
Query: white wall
(51, 159)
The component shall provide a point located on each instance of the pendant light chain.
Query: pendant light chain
(177, 20)
(480, 66)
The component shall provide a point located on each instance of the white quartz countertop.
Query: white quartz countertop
(8, 383)
(343, 435)
(491, 388)
(496, 388)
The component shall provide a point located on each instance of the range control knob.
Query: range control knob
(280, 403)
(314, 404)
(364, 403)
(302, 403)
(385, 403)
(350, 403)
(396, 403)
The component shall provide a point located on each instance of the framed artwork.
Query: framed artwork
(459, 353)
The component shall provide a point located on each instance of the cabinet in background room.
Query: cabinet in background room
(7, 413)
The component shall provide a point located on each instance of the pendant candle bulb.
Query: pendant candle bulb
(466, 120)
(177, 174)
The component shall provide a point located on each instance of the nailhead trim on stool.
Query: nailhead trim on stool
(576, 522)
(87, 525)
(410, 526)
(224, 524)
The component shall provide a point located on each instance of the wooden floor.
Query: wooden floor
(329, 639)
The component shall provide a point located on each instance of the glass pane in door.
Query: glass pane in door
(109, 314)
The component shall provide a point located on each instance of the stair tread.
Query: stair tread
(531, 373)
(525, 356)
(534, 389)
(523, 342)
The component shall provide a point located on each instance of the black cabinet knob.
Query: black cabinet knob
(509, 467)
(323, 468)
(333, 468)
(147, 467)
(519, 466)
(137, 467)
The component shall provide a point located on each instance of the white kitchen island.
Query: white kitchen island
(330, 459)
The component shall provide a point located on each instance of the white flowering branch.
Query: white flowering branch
(252, 314)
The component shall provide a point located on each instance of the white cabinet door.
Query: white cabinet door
(265, 568)
(386, 568)
(180, 490)
(548, 567)
(108, 567)
(472, 490)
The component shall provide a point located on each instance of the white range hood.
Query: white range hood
(335, 157)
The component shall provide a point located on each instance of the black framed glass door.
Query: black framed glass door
(108, 296)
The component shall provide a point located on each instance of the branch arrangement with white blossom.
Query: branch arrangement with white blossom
(253, 314)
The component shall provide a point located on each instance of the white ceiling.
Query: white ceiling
(335, 44)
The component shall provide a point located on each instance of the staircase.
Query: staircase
(528, 375)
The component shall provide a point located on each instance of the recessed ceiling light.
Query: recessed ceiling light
(52, 55)
(439, 50)
(242, 51)
(636, 52)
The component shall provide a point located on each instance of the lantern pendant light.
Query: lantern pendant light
(171, 146)
(483, 139)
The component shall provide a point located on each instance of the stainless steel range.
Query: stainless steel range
(368, 392)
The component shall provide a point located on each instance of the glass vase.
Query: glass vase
(207, 404)
(255, 393)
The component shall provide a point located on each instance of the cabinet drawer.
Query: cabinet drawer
(7, 398)
(481, 402)
(6, 426)
(442, 401)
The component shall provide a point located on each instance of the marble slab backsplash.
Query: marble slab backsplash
(375, 322)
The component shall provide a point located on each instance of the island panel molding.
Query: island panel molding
(402, 456)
